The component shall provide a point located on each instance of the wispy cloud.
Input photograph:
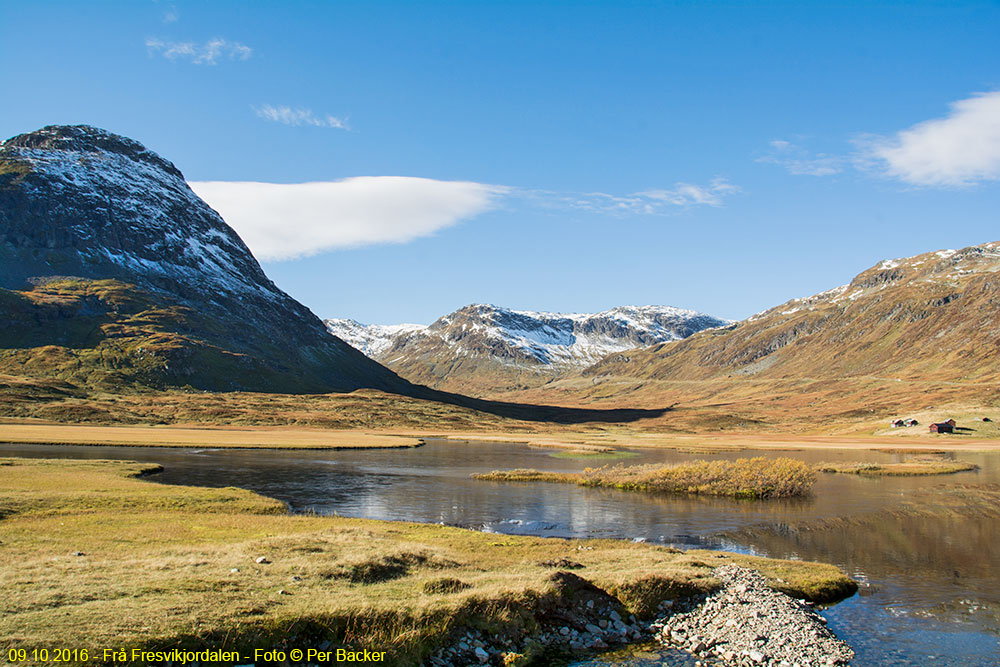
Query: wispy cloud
(286, 221)
(799, 161)
(290, 116)
(961, 149)
(171, 15)
(646, 202)
(206, 53)
(687, 194)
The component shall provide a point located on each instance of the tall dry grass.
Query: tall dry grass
(757, 477)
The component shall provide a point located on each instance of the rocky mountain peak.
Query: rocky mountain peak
(89, 139)
(80, 201)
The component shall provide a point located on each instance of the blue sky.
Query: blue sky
(549, 156)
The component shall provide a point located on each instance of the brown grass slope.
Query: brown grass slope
(110, 335)
(927, 317)
(431, 362)
(905, 334)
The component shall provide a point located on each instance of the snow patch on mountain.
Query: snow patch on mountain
(372, 339)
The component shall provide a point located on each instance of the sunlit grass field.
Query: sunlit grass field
(92, 556)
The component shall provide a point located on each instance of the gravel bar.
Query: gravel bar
(746, 623)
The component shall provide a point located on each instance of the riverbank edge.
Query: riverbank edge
(903, 469)
(570, 618)
(521, 617)
(709, 443)
(579, 618)
(171, 437)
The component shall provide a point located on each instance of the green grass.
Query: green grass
(169, 566)
(758, 477)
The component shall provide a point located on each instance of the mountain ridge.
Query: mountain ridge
(482, 344)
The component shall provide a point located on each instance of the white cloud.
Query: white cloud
(645, 202)
(208, 53)
(801, 162)
(290, 116)
(963, 148)
(285, 221)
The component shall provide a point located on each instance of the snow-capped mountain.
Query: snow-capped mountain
(190, 305)
(372, 339)
(481, 343)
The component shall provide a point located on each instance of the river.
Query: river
(930, 585)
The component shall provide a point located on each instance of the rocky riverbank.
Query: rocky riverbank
(593, 622)
(747, 623)
(744, 623)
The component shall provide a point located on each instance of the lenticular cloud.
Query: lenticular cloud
(286, 221)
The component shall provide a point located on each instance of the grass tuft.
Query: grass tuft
(562, 564)
(757, 477)
(444, 586)
(915, 467)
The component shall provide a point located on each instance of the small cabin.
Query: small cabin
(896, 423)
(950, 422)
(910, 422)
(943, 427)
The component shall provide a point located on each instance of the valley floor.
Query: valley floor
(230, 569)
(579, 442)
(782, 414)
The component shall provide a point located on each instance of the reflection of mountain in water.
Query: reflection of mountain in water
(935, 552)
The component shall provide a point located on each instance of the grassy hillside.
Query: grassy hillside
(909, 335)
(930, 317)
(111, 336)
